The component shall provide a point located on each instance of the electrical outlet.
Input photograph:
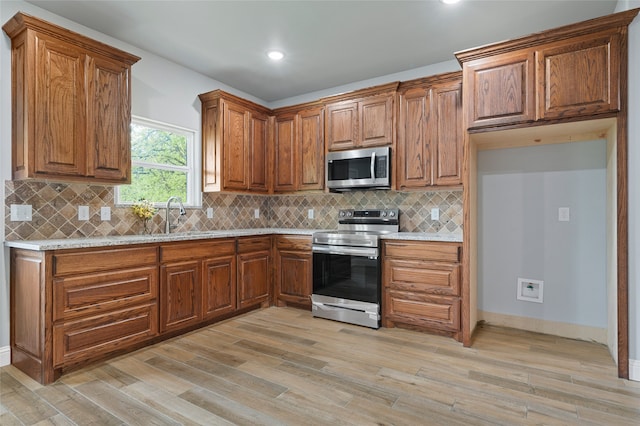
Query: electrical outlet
(21, 212)
(83, 212)
(256, 213)
(209, 212)
(435, 214)
(310, 214)
(105, 213)
(564, 214)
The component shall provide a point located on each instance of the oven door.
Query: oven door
(350, 273)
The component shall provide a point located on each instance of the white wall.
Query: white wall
(519, 193)
(634, 189)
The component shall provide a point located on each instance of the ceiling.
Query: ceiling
(326, 43)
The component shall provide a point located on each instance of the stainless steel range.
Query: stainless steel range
(346, 266)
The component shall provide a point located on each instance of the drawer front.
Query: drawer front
(196, 250)
(426, 311)
(422, 277)
(293, 242)
(435, 251)
(251, 244)
(90, 294)
(95, 337)
(83, 262)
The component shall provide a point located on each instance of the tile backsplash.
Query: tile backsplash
(55, 211)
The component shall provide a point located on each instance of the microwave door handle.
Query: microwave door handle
(373, 165)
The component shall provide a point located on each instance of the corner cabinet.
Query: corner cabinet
(430, 132)
(235, 144)
(299, 148)
(363, 118)
(71, 104)
(421, 286)
(565, 74)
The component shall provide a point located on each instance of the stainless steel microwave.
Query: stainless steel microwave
(368, 168)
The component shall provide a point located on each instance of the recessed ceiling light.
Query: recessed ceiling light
(449, 1)
(275, 55)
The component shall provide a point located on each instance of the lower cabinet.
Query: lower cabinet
(254, 271)
(293, 270)
(421, 286)
(71, 307)
(196, 282)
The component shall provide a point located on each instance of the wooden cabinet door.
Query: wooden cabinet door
(342, 125)
(108, 134)
(294, 277)
(253, 278)
(219, 286)
(310, 158)
(414, 139)
(500, 90)
(180, 295)
(375, 122)
(286, 164)
(446, 148)
(579, 78)
(60, 109)
(236, 146)
(258, 152)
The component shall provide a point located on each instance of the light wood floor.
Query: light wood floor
(281, 366)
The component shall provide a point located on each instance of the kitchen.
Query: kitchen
(182, 96)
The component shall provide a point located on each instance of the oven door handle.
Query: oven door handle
(370, 252)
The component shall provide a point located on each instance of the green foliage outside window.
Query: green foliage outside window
(159, 166)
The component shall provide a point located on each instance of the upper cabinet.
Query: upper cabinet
(299, 148)
(235, 144)
(568, 73)
(362, 118)
(430, 134)
(71, 105)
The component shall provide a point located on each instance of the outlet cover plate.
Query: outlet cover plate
(105, 213)
(83, 212)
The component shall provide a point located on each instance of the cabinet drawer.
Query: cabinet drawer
(293, 242)
(422, 277)
(196, 250)
(83, 262)
(94, 337)
(251, 244)
(90, 294)
(435, 251)
(421, 310)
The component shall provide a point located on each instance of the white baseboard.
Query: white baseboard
(634, 370)
(5, 356)
(562, 329)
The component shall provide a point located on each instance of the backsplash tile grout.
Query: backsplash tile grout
(55, 211)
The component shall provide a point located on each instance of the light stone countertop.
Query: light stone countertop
(89, 242)
(109, 241)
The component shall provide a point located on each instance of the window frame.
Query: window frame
(192, 169)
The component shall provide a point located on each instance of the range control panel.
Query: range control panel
(368, 216)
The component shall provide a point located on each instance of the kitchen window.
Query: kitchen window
(163, 164)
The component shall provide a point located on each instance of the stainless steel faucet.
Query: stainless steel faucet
(168, 226)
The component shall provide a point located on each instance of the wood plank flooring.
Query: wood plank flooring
(281, 366)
